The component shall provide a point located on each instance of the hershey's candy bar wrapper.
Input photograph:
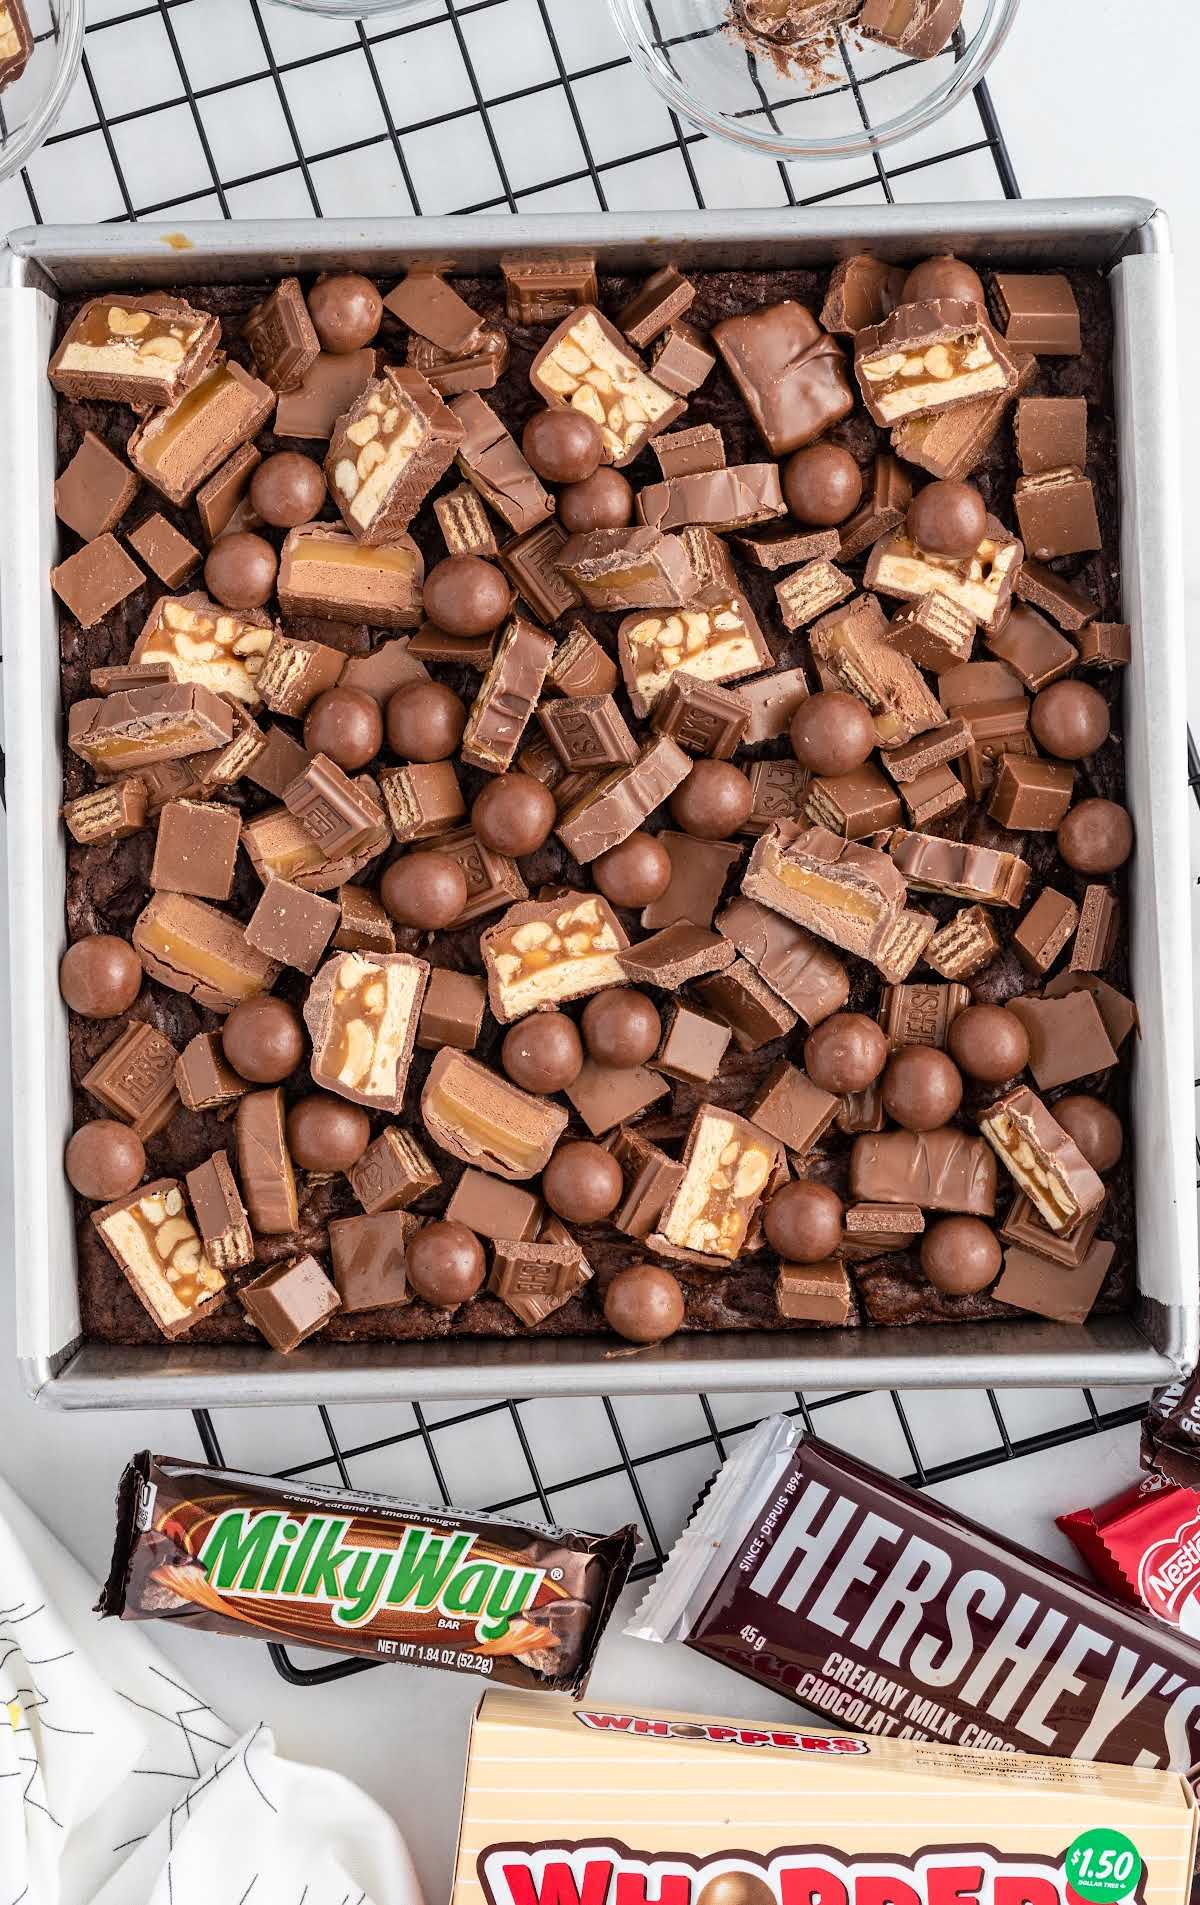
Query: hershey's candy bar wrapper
(625, 1806)
(362, 1574)
(880, 1608)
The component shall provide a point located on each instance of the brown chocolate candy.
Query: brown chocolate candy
(446, 1264)
(240, 570)
(948, 519)
(804, 1221)
(466, 595)
(822, 485)
(543, 1053)
(100, 977)
(104, 1160)
(562, 446)
(513, 814)
(942, 277)
(346, 311)
(832, 733)
(922, 1088)
(1095, 1127)
(346, 725)
(714, 800)
(603, 500)
(1096, 836)
(621, 1027)
(263, 1039)
(287, 490)
(989, 1043)
(960, 1255)
(845, 1053)
(644, 1303)
(325, 1133)
(424, 721)
(1069, 719)
(583, 1182)
(428, 890)
(635, 873)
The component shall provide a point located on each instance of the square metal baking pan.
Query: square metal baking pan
(1128, 239)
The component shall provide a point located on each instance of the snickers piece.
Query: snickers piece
(169, 555)
(853, 654)
(1043, 1160)
(541, 290)
(279, 762)
(875, 1230)
(950, 444)
(338, 814)
(1045, 930)
(452, 1011)
(934, 631)
(604, 1096)
(362, 1012)
(326, 573)
(681, 359)
(122, 732)
(484, 1120)
(223, 503)
(849, 894)
(428, 305)
(1034, 1283)
(1055, 596)
(932, 795)
(883, 508)
(814, 1293)
(772, 700)
(107, 814)
(723, 499)
(664, 298)
(545, 952)
(674, 956)
(464, 523)
(689, 452)
(1034, 651)
(651, 1178)
(154, 1244)
(856, 804)
(531, 563)
(142, 351)
(220, 1214)
(791, 1108)
(701, 716)
(94, 490)
(616, 806)
(281, 337)
(492, 879)
(368, 1257)
(586, 365)
(588, 731)
(204, 1079)
(981, 585)
(135, 1079)
(800, 968)
(197, 640)
(921, 1014)
(385, 455)
(747, 1005)
(196, 848)
(535, 1279)
(392, 1173)
(1024, 1227)
(959, 869)
(692, 1046)
(581, 666)
(291, 926)
(699, 870)
(928, 357)
(942, 1170)
(1036, 311)
(619, 569)
(716, 638)
(785, 545)
(96, 580)
(389, 666)
(862, 291)
(363, 926)
(1051, 433)
(492, 461)
(494, 1209)
(1067, 1038)
(507, 696)
(328, 388)
(790, 372)
(1030, 796)
(290, 1302)
(453, 372)
(1105, 645)
(176, 448)
(196, 949)
(295, 672)
(1056, 510)
(1096, 937)
(726, 1165)
(918, 28)
(811, 591)
(965, 945)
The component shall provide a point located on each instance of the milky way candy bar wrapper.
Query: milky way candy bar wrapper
(624, 1806)
(886, 1612)
(362, 1574)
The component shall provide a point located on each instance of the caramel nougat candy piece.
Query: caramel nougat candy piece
(362, 1013)
(839, 889)
(715, 638)
(546, 951)
(158, 1250)
(143, 351)
(852, 654)
(727, 1165)
(943, 1169)
(928, 357)
(198, 640)
(191, 947)
(981, 585)
(1042, 1158)
(175, 449)
(116, 734)
(327, 573)
(960, 869)
(587, 365)
(484, 1120)
(388, 451)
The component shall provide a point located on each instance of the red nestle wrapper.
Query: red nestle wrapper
(1144, 1546)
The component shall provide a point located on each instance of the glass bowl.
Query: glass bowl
(352, 9)
(861, 97)
(32, 103)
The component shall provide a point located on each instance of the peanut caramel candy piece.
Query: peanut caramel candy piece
(154, 1244)
(928, 357)
(392, 1173)
(96, 579)
(852, 654)
(542, 289)
(810, 591)
(932, 864)
(142, 351)
(328, 574)
(1043, 1159)
(134, 1079)
(619, 569)
(362, 1013)
(175, 449)
(715, 638)
(421, 800)
(490, 458)
(586, 365)
(840, 890)
(204, 1079)
(981, 585)
(388, 451)
(965, 945)
(294, 673)
(726, 1166)
(950, 444)
(197, 640)
(612, 809)
(107, 813)
(194, 948)
(220, 1214)
(507, 696)
(479, 1117)
(280, 334)
(936, 631)
(464, 523)
(942, 1169)
(544, 952)
(119, 733)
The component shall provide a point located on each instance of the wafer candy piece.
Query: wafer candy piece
(544, 952)
(485, 1120)
(388, 451)
(107, 813)
(362, 1012)
(810, 591)
(726, 1166)
(154, 1244)
(586, 365)
(220, 1214)
(295, 672)
(842, 891)
(928, 357)
(144, 351)
(1042, 1158)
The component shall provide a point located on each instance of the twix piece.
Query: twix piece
(388, 451)
(618, 569)
(587, 365)
(144, 351)
(840, 890)
(362, 1013)
(484, 1120)
(122, 732)
(933, 864)
(191, 947)
(544, 952)
(154, 1244)
(327, 573)
(176, 448)
(853, 653)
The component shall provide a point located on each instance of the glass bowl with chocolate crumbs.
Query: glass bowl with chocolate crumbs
(357, 9)
(814, 79)
(41, 44)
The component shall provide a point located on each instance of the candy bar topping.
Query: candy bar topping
(1043, 1159)
(713, 640)
(388, 451)
(725, 1171)
(544, 952)
(139, 350)
(586, 366)
(156, 1246)
(362, 1013)
(930, 357)
(198, 640)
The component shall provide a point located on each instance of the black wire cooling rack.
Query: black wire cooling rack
(626, 1466)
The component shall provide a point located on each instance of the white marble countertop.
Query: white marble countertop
(1095, 97)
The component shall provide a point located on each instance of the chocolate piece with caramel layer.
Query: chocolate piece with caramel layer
(362, 1013)
(388, 451)
(122, 732)
(154, 1244)
(850, 894)
(327, 573)
(191, 947)
(544, 952)
(176, 448)
(485, 1120)
(144, 351)
(928, 357)
(943, 1169)
(1042, 1158)
(587, 365)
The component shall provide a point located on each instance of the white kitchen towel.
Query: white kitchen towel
(118, 1783)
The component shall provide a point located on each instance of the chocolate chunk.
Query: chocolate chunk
(692, 1046)
(790, 372)
(494, 1209)
(452, 1013)
(161, 547)
(453, 372)
(786, 545)
(421, 800)
(884, 506)
(492, 879)
(965, 945)
(587, 365)
(662, 299)
(94, 490)
(690, 452)
(507, 696)
(1051, 433)
(791, 1108)
(1105, 645)
(724, 499)
(197, 640)
(135, 1079)
(671, 958)
(861, 291)
(338, 814)
(588, 731)
(204, 1079)
(327, 390)
(932, 795)
(1096, 938)
(651, 1179)
(919, 28)
(541, 290)
(921, 1014)
(1055, 596)
(934, 865)
(1043, 1159)
(545, 952)
(1045, 930)
(681, 360)
(280, 334)
(290, 1302)
(535, 1279)
(484, 1120)
(464, 523)
(428, 305)
(699, 869)
(1049, 1289)
(220, 1214)
(617, 805)
(747, 1005)
(856, 804)
(223, 502)
(1067, 1038)
(1030, 796)
(325, 573)
(608, 1095)
(295, 672)
(196, 848)
(934, 631)
(874, 1230)
(813, 1292)
(811, 591)
(144, 351)
(490, 459)
(107, 814)
(531, 563)
(1037, 311)
(937, 1170)
(619, 569)
(368, 1260)
(155, 1246)
(279, 762)
(392, 1173)
(778, 789)
(795, 965)
(362, 1012)
(727, 1163)
(196, 949)
(291, 926)
(930, 356)
(1057, 513)
(1035, 652)
(176, 448)
(264, 1166)
(96, 580)
(715, 639)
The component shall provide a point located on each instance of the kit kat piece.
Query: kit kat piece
(176, 448)
(699, 870)
(490, 458)
(452, 1011)
(1063, 1294)
(1051, 433)
(154, 1244)
(290, 1302)
(168, 554)
(145, 351)
(1036, 311)
(1061, 600)
(619, 569)
(791, 1108)
(716, 638)
(681, 360)
(791, 373)
(191, 947)
(1105, 645)
(494, 1209)
(392, 1173)
(134, 1079)
(338, 814)
(545, 952)
(605, 1096)
(362, 1012)
(941, 1170)
(814, 1293)
(543, 289)
(965, 945)
(856, 804)
(387, 452)
(950, 444)
(690, 452)
(264, 1164)
(675, 956)
(204, 1078)
(328, 388)
(581, 666)
(1024, 1227)
(428, 305)
(195, 849)
(535, 1279)
(1056, 510)
(1068, 1038)
(96, 580)
(507, 696)
(531, 563)
(107, 814)
(797, 966)
(784, 545)
(811, 591)
(1035, 651)
(198, 640)
(94, 490)
(295, 672)
(1030, 796)
(883, 508)
(588, 731)
(220, 1214)
(1096, 937)
(484, 1120)
(863, 290)
(327, 573)
(368, 1257)
(692, 1046)
(281, 337)
(586, 365)
(1043, 1160)
(726, 1165)
(981, 585)
(464, 522)
(421, 800)
(934, 631)
(722, 499)
(746, 1004)
(453, 372)
(928, 357)
(958, 869)
(122, 732)
(617, 805)
(291, 926)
